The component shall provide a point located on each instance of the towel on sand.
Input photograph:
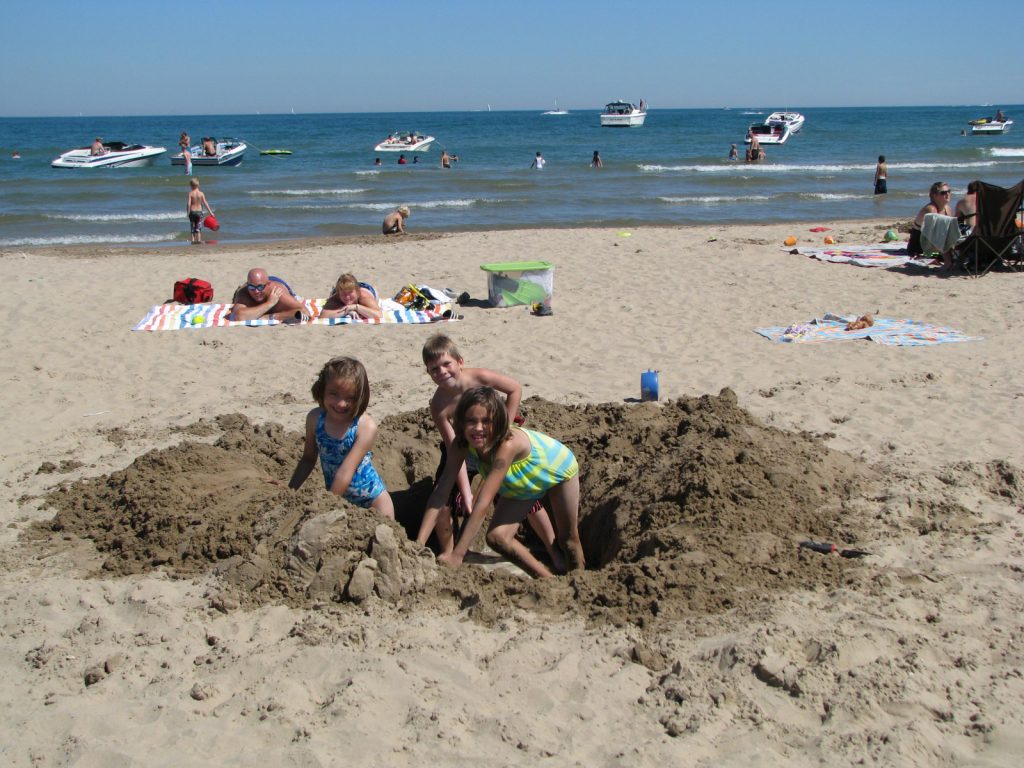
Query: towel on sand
(939, 233)
(887, 331)
(881, 255)
(175, 317)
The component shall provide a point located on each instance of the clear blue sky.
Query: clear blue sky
(209, 57)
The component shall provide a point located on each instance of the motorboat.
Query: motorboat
(228, 152)
(622, 114)
(794, 120)
(556, 110)
(777, 133)
(115, 154)
(989, 126)
(405, 142)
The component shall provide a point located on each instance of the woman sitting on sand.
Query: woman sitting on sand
(938, 202)
(352, 298)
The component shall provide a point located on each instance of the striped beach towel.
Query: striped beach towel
(176, 317)
(887, 331)
(882, 255)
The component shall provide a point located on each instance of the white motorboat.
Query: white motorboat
(622, 114)
(228, 152)
(989, 126)
(115, 154)
(556, 110)
(777, 133)
(405, 142)
(794, 120)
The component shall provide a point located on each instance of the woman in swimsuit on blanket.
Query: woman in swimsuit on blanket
(352, 298)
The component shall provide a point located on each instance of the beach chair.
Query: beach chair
(995, 238)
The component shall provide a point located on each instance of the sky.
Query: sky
(160, 58)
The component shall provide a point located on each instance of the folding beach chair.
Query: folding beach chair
(995, 238)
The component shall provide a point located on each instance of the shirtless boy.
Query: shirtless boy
(394, 222)
(445, 367)
(265, 296)
(194, 207)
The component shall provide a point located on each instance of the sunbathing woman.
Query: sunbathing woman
(352, 298)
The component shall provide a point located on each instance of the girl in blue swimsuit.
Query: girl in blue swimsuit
(341, 434)
(522, 466)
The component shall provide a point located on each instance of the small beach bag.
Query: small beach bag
(192, 290)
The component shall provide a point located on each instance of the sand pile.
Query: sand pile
(690, 506)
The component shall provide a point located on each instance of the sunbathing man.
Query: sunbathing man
(265, 296)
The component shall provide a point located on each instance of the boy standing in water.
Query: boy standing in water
(445, 367)
(194, 207)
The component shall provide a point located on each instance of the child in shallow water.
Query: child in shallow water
(520, 464)
(342, 435)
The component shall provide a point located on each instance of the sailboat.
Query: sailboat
(556, 110)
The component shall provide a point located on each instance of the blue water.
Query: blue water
(671, 171)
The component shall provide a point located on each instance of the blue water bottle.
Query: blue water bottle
(649, 386)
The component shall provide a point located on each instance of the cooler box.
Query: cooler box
(519, 282)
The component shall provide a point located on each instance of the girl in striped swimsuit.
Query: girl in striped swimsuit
(522, 466)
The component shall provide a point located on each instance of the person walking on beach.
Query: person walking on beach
(881, 175)
(596, 160)
(185, 143)
(194, 208)
(538, 162)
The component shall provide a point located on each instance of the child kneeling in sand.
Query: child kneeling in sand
(520, 464)
(342, 435)
(447, 370)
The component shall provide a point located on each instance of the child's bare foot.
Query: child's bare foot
(574, 553)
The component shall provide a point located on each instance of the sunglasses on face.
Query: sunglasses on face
(945, 191)
(258, 287)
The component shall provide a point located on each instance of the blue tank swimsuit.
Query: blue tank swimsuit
(366, 484)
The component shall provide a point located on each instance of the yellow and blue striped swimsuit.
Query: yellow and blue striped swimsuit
(548, 464)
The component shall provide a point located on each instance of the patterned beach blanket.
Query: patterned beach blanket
(176, 317)
(882, 255)
(893, 333)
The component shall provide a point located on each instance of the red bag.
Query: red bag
(192, 290)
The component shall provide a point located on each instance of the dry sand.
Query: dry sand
(163, 605)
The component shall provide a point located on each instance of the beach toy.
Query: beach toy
(890, 235)
(198, 320)
(790, 240)
(211, 223)
(649, 386)
(625, 234)
(829, 240)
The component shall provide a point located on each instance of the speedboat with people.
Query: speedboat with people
(110, 154)
(777, 133)
(990, 126)
(226, 152)
(405, 142)
(794, 120)
(622, 114)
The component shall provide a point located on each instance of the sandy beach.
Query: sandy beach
(164, 605)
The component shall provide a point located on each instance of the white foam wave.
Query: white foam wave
(305, 192)
(385, 206)
(709, 199)
(371, 172)
(88, 239)
(743, 169)
(1006, 151)
(834, 196)
(116, 216)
